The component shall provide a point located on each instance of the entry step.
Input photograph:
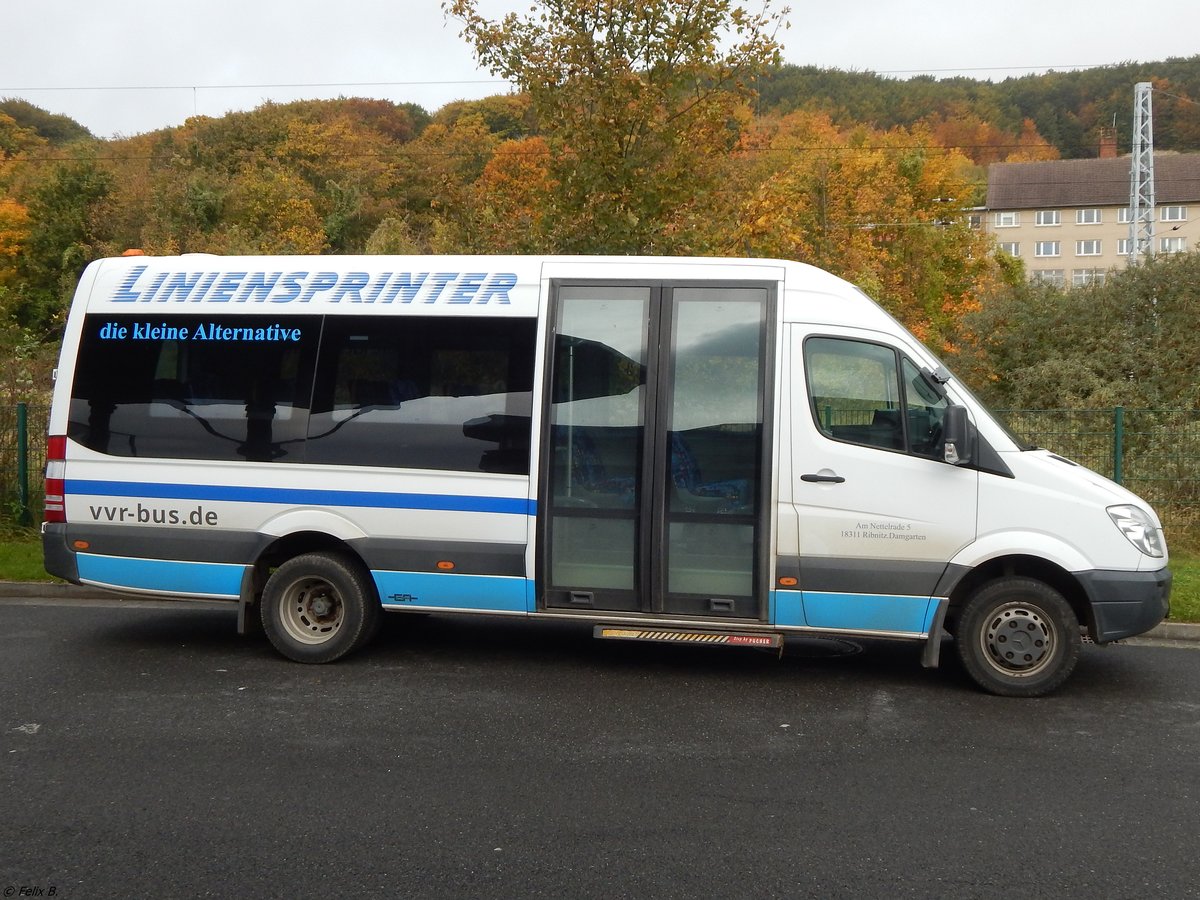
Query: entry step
(689, 636)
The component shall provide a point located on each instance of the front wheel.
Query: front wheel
(318, 607)
(1018, 637)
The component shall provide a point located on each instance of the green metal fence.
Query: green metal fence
(22, 462)
(1153, 452)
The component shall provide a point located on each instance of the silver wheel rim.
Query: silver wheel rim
(311, 610)
(1018, 639)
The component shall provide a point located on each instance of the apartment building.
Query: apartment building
(1068, 219)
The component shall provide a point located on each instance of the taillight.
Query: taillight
(56, 473)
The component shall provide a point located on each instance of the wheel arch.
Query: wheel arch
(1028, 566)
(288, 546)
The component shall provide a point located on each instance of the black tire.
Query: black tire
(1018, 637)
(318, 607)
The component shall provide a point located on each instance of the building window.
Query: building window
(1048, 217)
(1124, 246)
(1012, 248)
(975, 221)
(1049, 276)
(1047, 248)
(1124, 215)
(1172, 214)
(1088, 217)
(1172, 244)
(1006, 219)
(1080, 277)
(1087, 248)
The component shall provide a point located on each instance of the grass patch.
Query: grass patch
(21, 560)
(1185, 590)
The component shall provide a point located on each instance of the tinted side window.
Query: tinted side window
(924, 408)
(866, 393)
(194, 387)
(854, 390)
(424, 393)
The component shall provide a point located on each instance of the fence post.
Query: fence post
(23, 463)
(1119, 444)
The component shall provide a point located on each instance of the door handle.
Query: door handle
(822, 479)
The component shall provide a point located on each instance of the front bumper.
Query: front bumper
(1126, 603)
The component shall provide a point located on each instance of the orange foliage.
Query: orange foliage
(1031, 146)
(516, 188)
(14, 227)
(882, 209)
(984, 143)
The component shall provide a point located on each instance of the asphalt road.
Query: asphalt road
(148, 750)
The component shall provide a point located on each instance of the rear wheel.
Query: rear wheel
(318, 607)
(1018, 637)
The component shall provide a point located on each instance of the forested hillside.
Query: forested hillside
(1067, 109)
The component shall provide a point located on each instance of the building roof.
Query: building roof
(1089, 182)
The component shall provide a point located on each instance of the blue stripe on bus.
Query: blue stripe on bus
(855, 612)
(867, 612)
(518, 506)
(162, 575)
(482, 593)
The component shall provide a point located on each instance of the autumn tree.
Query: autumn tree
(634, 99)
(14, 231)
(884, 210)
(15, 142)
(318, 175)
(985, 143)
(435, 173)
(507, 116)
(56, 129)
(509, 206)
(67, 230)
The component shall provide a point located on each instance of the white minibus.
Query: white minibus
(719, 451)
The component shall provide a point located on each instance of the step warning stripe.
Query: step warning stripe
(730, 639)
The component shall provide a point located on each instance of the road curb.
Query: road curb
(46, 590)
(1174, 631)
(53, 590)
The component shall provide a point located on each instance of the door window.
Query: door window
(715, 419)
(865, 393)
(597, 415)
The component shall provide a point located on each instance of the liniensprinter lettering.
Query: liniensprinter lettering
(475, 288)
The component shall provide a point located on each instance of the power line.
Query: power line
(496, 81)
(1175, 96)
(1030, 69)
(236, 87)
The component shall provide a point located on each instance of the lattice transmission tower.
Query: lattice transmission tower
(1141, 175)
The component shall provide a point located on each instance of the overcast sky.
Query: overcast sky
(122, 67)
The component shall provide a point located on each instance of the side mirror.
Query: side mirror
(956, 436)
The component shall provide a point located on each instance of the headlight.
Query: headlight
(1139, 528)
